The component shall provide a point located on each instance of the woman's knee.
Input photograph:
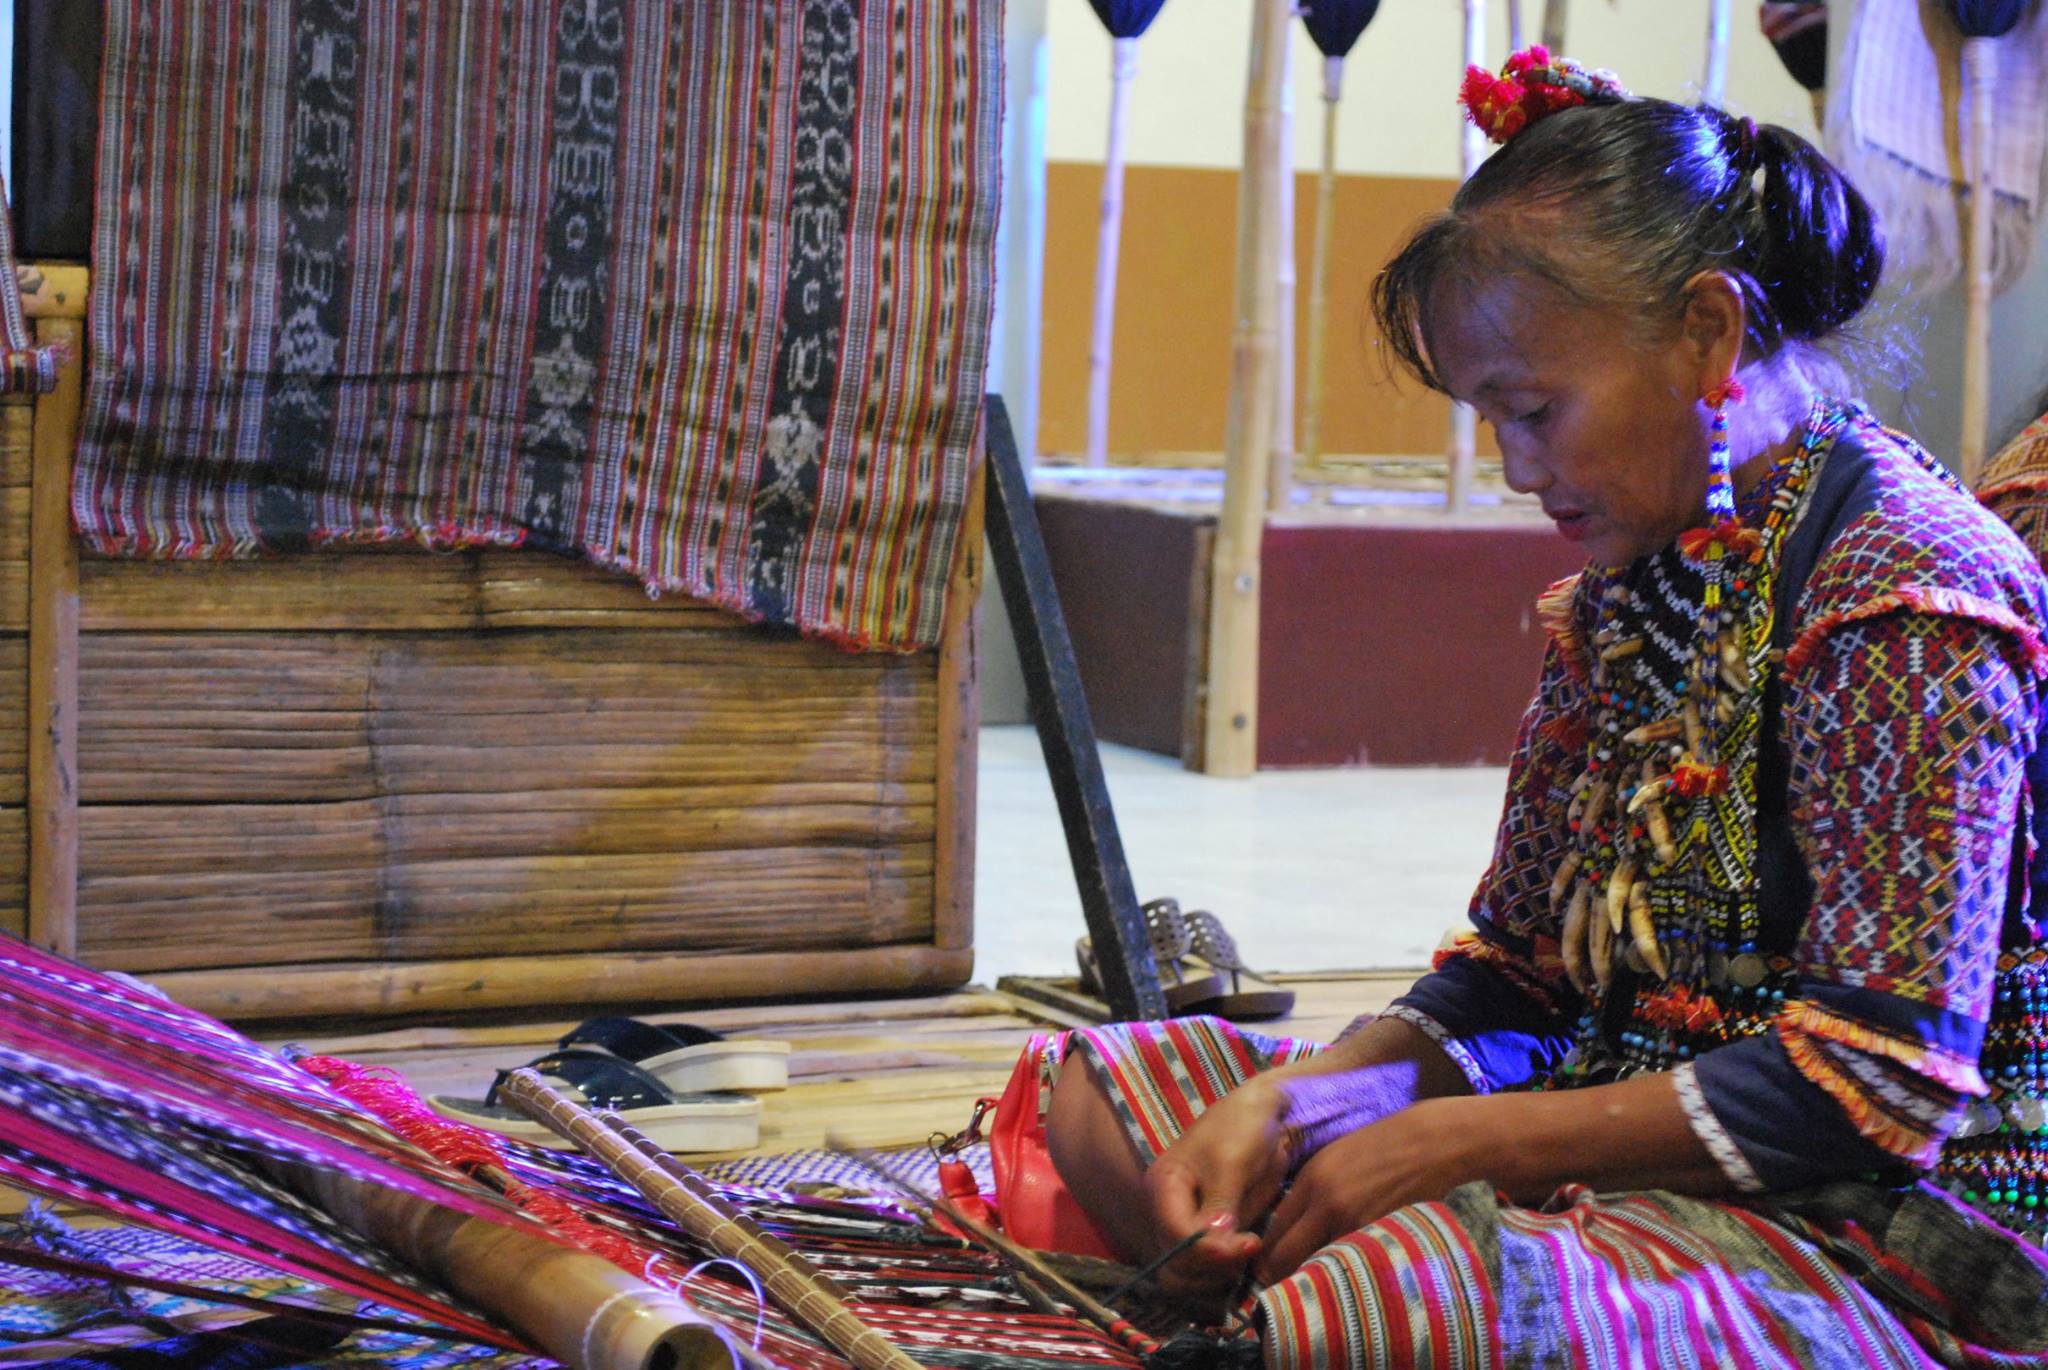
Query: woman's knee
(1081, 1129)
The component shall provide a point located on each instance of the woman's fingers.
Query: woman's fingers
(1302, 1225)
(1182, 1204)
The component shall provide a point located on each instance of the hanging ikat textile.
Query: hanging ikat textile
(699, 290)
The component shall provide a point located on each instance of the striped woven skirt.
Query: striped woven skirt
(1845, 1275)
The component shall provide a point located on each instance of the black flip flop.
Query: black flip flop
(675, 1122)
(687, 1058)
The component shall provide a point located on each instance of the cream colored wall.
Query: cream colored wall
(1399, 116)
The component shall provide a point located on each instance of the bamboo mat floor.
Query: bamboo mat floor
(876, 1072)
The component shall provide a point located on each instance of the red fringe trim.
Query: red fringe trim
(1937, 600)
(1697, 544)
(386, 1095)
(1804, 1019)
(1900, 1139)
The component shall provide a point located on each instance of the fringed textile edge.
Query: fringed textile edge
(1937, 600)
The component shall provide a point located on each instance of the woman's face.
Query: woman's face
(1601, 425)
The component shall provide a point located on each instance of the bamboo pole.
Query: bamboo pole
(959, 729)
(1280, 475)
(53, 653)
(579, 1308)
(1714, 87)
(1123, 66)
(682, 1195)
(1555, 12)
(1464, 445)
(1230, 728)
(1980, 80)
(1319, 268)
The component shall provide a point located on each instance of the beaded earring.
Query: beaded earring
(1720, 481)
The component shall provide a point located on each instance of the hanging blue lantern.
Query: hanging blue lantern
(1126, 18)
(1987, 18)
(1799, 32)
(1336, 24)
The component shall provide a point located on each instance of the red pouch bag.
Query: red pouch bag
(1032, 1202)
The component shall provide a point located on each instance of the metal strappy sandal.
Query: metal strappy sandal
(1248, 998)
(1184, 983)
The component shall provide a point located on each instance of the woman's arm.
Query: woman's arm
(1225, 1172)
(1632, 1135)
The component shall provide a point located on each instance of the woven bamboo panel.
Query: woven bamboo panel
(16, 424)
(378, 589)
(13, 720)
(316, 796)
(13, 870)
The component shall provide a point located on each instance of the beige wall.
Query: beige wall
(1399, 116)
(1398, 152)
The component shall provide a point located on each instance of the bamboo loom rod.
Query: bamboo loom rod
(1280, 473)
(1230, 726)
(1555, 13)
(1464, 444)
(798, 1288)
(1123, 66)
(53, 651)
(1319, 265)
(1714, 86)
(1980, 81)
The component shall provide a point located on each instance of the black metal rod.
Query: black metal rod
(1052, 680)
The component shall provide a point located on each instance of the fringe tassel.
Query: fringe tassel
(1937, 601)
(31, 370)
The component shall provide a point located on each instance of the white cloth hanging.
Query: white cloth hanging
(1893, 127)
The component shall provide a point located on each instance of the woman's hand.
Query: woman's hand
(1421, 1153)
(1223, 1174)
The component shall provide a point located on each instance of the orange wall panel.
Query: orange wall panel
(1170, 382)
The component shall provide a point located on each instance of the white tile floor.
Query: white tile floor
(1312, 870)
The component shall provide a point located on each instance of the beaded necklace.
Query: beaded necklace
(1662, 871)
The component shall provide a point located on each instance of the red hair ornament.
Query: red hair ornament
(1531, 86)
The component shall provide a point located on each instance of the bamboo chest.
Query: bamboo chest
(394, 781)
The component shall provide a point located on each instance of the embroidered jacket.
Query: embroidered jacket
(1910, 703)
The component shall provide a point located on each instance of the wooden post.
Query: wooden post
(1232, 723)
(1319, 269)
(53, 653)
(1714, 86)
(959, 733)
(1555, 12)
(1123, 66)
(1980, 80)
(1464, 445)
(1280, 474)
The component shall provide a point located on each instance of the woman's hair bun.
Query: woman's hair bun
(1820, 250)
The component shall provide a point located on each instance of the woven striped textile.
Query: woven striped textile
(698, 290)
(1843, 1277)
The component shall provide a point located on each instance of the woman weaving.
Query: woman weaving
(1753, 954)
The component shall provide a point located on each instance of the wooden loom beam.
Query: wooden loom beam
(1231, 722)
(56, 303)
(1109, 903)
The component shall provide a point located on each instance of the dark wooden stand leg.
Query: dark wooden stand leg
(1115, 924)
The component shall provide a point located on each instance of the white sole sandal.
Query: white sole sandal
(672, 1121)
(687, 1058)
